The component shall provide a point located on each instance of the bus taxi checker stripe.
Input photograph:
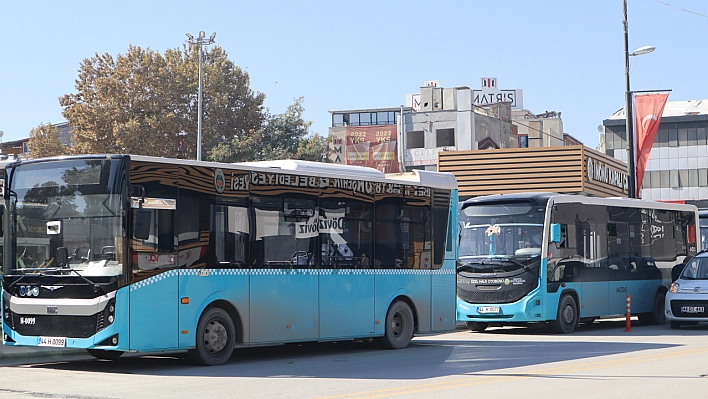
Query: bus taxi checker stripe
(274, 272)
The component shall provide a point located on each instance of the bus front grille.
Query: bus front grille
(56, 326)
(505, 294)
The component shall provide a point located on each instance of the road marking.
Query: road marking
(481, 378)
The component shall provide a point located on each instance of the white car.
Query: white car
(687, 299)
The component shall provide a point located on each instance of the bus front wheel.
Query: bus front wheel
(474, 326)
(104, 354)
(215, 338)
(399, 327)
(567, 318)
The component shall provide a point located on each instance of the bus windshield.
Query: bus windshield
(66, 219)
(507, 229)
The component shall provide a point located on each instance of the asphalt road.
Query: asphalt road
(597, 361)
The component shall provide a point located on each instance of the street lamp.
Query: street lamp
(200, 41)
(632, 191)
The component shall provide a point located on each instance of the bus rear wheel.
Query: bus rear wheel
(216, 337)
(567, 318)
(104, 354)
(399, 327)
(475, 326)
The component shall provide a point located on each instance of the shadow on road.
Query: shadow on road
(603, 328)
(427, 358)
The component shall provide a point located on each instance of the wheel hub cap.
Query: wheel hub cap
(215, 337)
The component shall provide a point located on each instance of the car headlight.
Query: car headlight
(674, 288)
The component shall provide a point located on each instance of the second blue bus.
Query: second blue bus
(566, 259)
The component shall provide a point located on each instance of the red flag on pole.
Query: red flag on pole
(648, 109)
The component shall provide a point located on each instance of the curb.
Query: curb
(12, 353)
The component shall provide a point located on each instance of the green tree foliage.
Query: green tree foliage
(43, 142)
(146, 103)
(282, 136)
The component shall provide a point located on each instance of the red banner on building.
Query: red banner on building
(373, 146)
(648, 109)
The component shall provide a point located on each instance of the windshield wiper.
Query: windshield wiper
(43, 273)
(470, 264)
(16, 281)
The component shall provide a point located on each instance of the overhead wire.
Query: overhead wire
(682, 9)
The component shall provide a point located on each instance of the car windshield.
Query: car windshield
(697, 269)
(65, 215)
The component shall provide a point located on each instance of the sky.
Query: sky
(566, 56)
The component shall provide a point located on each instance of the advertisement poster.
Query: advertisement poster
(373, 147)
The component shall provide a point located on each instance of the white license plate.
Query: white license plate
(692, 309)
(52, 341)
(488, 309)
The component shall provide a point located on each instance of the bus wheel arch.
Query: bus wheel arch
(216, 335)
(568, 315)
(400, 324)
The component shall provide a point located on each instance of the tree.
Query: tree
(283, 136)
(145, 103)
(44, 142)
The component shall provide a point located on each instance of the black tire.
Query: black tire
(399, 327)
(567, 318)
(216, 338)
(675, 325)
(104, 354)
(475, 326)
(657, 316)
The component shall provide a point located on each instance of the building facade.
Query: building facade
(678, 163)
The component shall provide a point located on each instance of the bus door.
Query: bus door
(593, 275)
(622, 270)
(154, 261)
(346, 273)
(284, 277)
(443, 299)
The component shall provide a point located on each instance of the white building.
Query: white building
(678, 164)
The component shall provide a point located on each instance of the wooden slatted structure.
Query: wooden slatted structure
(512, 170)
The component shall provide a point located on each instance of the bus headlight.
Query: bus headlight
(674, 288)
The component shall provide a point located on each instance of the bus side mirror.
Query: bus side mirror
(555, 232)
(141, 229)
(2, 221)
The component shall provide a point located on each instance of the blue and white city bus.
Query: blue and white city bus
(117, 253)
(564, 259)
